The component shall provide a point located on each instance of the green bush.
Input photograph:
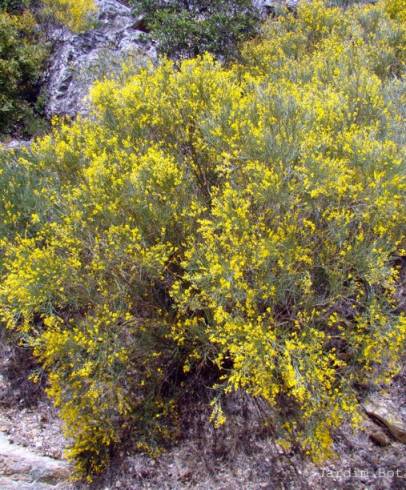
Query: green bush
(14, 5)
(242, 220)
(22, 55)
(185, 29)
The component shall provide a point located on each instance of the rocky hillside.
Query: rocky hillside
(78, 60)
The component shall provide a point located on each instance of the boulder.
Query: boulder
(79, 59)
(270, 6)
(20, 468)
(382, 409)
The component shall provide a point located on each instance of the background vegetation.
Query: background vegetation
(14, 5)
(184, 29)
(237, 227)
(23, 53)
(22, 56)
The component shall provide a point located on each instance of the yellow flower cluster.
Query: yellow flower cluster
(396, 9)
(247, 219)
(75, 14)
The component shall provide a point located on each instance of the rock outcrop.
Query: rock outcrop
(22, 469)
(269, 6)
(78, 59)
(383, 410)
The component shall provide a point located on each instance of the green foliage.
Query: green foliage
(19, 200)
(185, 29)
(14, 5)
(243, 219)
(21, 60)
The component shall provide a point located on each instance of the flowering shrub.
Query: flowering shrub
(77, 15)
(396, 9)
(246, 219)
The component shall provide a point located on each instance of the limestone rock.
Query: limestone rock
(78, 59)
(22, 469)
(15, 144)
(269, 6)
(382, 409)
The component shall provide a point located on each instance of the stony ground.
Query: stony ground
(240, 456)
(31, 445)
(374, 458)
(22, 469)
